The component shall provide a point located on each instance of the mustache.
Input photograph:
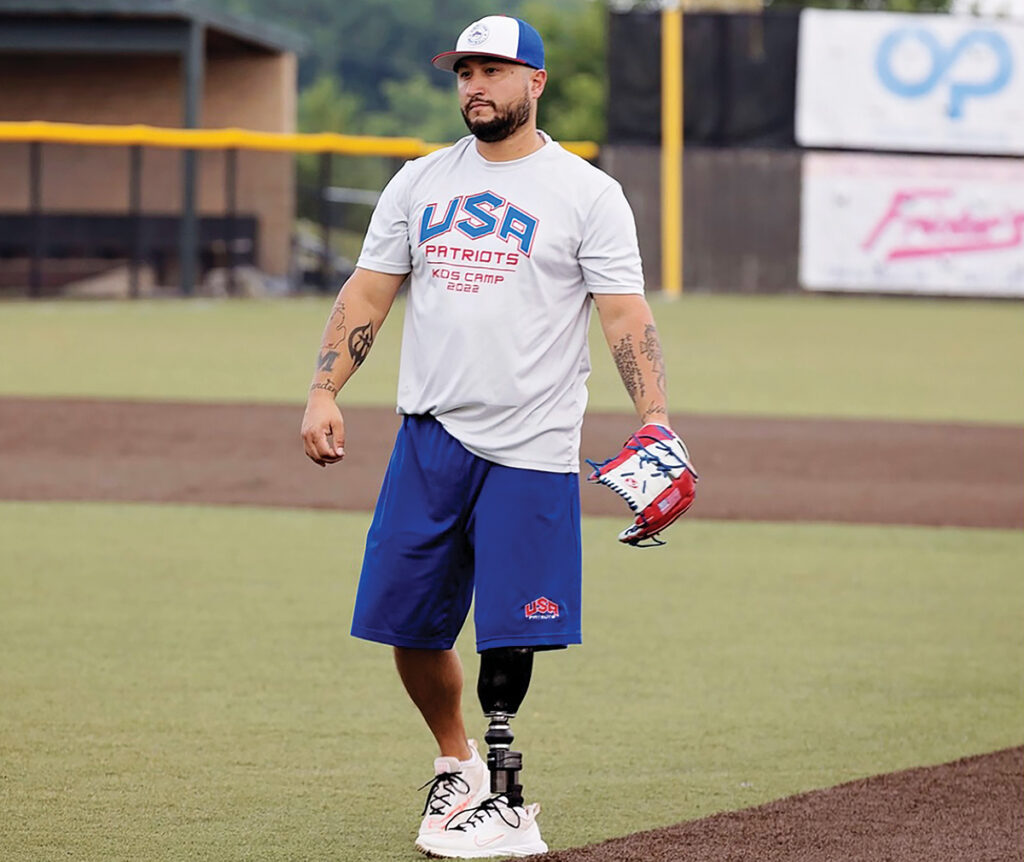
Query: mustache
(481, 103)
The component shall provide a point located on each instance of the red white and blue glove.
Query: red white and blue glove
(653, 474)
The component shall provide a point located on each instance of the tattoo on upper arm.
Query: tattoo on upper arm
(326, 361)
(625, 360)
(651, 348)
(360, 340)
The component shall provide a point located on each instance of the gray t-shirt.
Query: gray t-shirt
(504, 258)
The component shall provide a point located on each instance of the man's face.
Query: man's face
(496, 98)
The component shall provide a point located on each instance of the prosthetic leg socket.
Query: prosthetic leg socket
(502, 685)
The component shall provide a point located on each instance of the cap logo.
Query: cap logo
(478, 35)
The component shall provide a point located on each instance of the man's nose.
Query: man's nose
(474, 84)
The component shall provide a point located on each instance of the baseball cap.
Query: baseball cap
(497, 36)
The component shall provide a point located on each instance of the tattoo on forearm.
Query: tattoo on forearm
(326, 361)
(336, 330)
(651, 348)
(360, 340)
(625, 360)
(325, 384)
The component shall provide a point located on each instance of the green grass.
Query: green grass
(178, 682)
(788, 355)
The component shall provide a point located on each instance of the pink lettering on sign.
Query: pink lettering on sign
(916, 227)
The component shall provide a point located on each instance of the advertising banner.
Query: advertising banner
(912, 224)
(922, 83)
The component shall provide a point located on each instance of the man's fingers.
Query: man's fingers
(335, 442)
(326, 451)
(319, 448)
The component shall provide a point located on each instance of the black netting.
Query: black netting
(739, 78)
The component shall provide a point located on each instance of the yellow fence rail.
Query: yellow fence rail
(227, 139)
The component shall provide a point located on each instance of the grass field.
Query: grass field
(178, 682)
(787, 356)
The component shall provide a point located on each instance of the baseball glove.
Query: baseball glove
(653, 474)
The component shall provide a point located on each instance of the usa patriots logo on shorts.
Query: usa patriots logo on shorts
(542, 609)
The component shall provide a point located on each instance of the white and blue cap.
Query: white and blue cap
(498, 36)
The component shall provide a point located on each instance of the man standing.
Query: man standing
(509, 240)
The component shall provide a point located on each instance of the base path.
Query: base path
(750, 468)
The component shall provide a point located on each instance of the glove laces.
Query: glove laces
(659, 455)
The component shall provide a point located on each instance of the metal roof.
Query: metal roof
(258, 34)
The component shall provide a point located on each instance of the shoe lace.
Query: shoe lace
(488, 808)
(442, 788)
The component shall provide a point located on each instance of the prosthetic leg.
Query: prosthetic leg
(501, 687)
(501, 825)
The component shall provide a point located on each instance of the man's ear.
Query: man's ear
(538, 78)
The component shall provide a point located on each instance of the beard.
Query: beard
(502, 124)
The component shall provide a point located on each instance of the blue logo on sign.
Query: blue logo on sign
(942, 60)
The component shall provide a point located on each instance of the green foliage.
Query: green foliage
(368, 71)
(369, 42)
(326, 106)
(416, 107)
(572, 107)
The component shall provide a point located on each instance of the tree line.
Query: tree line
(368, 70)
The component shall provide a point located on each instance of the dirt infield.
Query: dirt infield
(752, 469)
(968, 811)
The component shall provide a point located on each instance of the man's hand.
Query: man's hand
(323, 429)
(358, 313)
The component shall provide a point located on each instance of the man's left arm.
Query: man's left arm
(632, 337)
(652, 472)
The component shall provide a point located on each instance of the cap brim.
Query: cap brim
(448, 59)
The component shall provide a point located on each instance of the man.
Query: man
(509, 240)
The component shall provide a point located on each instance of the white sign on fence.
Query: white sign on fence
(923, 83)
(912, 224)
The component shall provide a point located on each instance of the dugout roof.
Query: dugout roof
(132, 26)
(31, 30)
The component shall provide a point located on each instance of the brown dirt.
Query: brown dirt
(751, 469)
(968, 811)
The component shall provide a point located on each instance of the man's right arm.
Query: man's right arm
(356, 318)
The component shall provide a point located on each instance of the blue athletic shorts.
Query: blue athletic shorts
(448, 524)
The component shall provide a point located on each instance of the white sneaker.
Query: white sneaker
(456, 787)
(493, 828)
